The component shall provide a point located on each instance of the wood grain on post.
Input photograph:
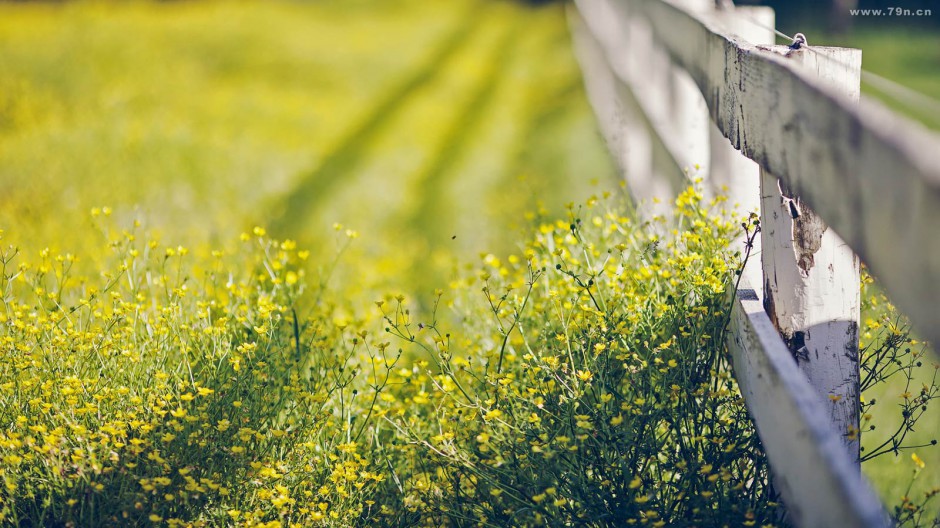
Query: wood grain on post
(732, 170)
(811, 277)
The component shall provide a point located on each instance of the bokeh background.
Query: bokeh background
(428, 127)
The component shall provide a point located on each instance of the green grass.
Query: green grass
(891, 473)
(405, 120)
(909, 56)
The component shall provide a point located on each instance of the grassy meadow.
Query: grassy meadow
(209, 118)
(355, 263)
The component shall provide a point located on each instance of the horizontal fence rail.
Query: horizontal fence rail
(820, 484)
(833, 177)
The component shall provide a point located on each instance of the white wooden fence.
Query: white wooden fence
(671, 82)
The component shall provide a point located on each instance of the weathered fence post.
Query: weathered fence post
(811, 277)
(730, 168)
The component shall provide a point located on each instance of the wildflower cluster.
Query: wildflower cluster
(595, 393)
(584, 380)
(172, 390)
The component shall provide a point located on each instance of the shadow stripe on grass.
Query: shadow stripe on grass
(553, 108)
(317, 184)
(459, 136)
(429, 219)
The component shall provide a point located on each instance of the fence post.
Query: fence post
(811, 277)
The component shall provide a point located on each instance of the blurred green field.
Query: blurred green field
(890, 473)
(411, 122)
(909, 56)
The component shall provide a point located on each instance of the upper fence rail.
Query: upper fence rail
(655, 71)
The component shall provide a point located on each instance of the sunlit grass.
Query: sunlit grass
(212, 117)
(910, 57)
